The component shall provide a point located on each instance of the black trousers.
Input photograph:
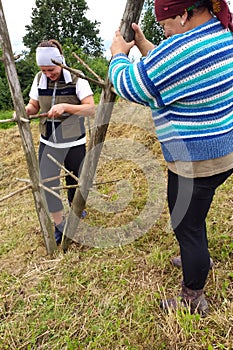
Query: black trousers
(72, 159)
(189, 201)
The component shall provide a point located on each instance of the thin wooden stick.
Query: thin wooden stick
(23, 180)
(44, 187)
(14, 120)
(8, 120)
(79, 74)
(53, 178)
(15, 58)
(16, 192)
(50, 191)
(67, 186)
(40, 115)
(44, 180)
(64, 187)
(26, 188)
(88, 68)
(62, 167)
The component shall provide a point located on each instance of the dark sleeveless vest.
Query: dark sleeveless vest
(69, 127)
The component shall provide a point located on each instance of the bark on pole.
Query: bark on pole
(26, 136)
(131, 14)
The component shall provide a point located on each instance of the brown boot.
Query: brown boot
(192, 300)
(177, 262)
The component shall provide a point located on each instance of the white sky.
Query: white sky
(107, 12)
(18, 14)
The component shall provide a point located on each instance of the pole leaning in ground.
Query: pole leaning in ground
(131, 14)
(26, 136)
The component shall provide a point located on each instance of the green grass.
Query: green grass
(92, 298)
(5, 115)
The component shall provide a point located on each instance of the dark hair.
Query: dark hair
(201, 4)
(51, 43)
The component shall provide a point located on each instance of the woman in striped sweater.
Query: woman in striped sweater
(187, 81)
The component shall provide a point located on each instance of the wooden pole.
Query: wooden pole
(131, 14)
(26, 136)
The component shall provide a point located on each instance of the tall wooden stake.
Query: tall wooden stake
(131, 14)
(26, 136)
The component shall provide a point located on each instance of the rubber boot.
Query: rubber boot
(58, 233)
(84, 212)
(192, 300)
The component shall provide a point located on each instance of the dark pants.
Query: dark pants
(72, 159)
(189, 201)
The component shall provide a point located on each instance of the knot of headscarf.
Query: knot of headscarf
(170, 8)
(222, 12)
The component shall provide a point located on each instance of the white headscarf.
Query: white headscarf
(44, 55)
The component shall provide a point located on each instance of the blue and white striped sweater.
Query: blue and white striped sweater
(187, 81)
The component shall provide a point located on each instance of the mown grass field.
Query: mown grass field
(105, 294)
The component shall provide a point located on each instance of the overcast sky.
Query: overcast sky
(107, 12)
(18, 14)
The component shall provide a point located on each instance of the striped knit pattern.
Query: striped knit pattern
(187, 81)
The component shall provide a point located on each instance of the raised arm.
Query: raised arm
(141, 42)
(119, 45)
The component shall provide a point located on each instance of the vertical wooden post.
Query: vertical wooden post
(131, 14)
(26, 136)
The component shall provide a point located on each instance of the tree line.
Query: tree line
(66, 21)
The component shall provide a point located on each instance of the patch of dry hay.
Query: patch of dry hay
(18, 217)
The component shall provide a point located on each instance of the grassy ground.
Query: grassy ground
(108, 298)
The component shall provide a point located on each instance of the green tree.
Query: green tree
(26, 70)
(99, 65)
(151, 28)
(63, 20)
(5, 94)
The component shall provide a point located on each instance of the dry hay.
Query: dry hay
(130, 123)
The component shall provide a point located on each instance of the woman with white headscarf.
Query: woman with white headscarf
(66, 99)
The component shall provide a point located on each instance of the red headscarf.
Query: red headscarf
(170, 8)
